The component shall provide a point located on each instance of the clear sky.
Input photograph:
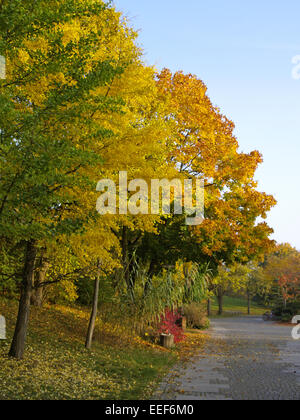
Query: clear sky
(243, 51)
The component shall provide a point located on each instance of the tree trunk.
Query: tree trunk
(285, 303)
(249, 302)
(208, 307)
(18, 344)
(91, 328)
(125, 256)
(37, 297)
(127, 271)
(39, 278)
(220, 302)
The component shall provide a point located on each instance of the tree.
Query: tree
(140, 150)
(93, 317)
(203, 145)
(282, 269)
(52, 107)
(40, 273)
(226, 280)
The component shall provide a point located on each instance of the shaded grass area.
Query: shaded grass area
(233, 305)
(57, 366)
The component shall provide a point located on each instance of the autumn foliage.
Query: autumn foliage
(79, 104)
(169, 325)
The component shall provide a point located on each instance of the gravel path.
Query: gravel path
(246, 359)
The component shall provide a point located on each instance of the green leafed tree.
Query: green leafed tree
(52, 104)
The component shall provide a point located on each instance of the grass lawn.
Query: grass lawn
(236, 304)
(57, 366)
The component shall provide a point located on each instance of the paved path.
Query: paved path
(246, 359)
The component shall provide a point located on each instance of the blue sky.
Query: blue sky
(243, 52)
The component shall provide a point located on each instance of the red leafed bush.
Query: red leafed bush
(168, 325)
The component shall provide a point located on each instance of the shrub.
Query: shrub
(287, 313)
(169, 325)
(286, 318)
(196, 316)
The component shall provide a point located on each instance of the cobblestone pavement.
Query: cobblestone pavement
(246, 359)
